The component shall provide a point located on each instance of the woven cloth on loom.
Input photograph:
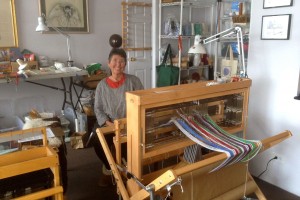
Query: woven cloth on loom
(205, 132)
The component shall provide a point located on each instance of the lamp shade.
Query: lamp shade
(198, 46)
(41, 25)
(197, 49)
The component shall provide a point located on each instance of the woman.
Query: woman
(110, 102)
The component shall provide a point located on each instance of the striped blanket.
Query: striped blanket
(205, 132)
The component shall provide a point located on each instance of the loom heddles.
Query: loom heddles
(192, 153)
(234, 110)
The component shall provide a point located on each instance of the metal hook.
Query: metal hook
(178, 182)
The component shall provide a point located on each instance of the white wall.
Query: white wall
(274, 68)
(104, 20)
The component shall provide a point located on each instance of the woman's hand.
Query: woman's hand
(109, 123)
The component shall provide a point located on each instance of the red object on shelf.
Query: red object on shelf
(196, 76)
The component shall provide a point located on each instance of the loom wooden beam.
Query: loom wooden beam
(203, 166)
(208, 164)
(271, 141)
(121, 187)
(158, 183)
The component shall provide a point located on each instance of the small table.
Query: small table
(67, 73)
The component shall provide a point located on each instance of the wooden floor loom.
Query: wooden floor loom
(150, 142)
(30, 160)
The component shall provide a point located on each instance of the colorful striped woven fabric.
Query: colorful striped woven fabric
(205, 132)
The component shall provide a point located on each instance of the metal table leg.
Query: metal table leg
(67, 93)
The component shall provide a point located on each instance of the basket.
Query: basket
(91, 81)
(241, 19)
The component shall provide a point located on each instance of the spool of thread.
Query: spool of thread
(76, 125)
(192, 29)
(197, 60)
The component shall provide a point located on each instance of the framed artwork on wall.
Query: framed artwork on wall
(277, 3)
(8, 21)
(68, 16)
(276, 27)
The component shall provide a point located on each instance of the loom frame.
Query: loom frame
(137, 103)
(31, 160)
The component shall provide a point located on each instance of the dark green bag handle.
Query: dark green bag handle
(167, 53)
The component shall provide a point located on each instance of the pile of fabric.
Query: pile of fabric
(36, 119)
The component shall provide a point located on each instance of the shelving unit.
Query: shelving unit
(209, 12)
(227, 20)
(187, 13)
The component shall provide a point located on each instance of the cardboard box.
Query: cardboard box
(58, 131)
(91, 81)
(5, 66)
(76, 140)
(32, 65)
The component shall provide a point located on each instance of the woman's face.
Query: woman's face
(117, 64)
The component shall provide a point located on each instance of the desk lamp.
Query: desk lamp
(237, 30)
(197, 49)
(42, 27)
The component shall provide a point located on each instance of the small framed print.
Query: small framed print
(68, 16)
(276, 27)
(277, 3)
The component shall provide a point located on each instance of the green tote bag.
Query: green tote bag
(167, 74)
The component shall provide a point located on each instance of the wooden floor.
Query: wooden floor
(84, 173)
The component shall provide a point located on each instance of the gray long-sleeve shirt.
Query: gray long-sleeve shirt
(110, 103)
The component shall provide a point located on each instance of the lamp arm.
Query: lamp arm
(68, 41)
(239, 36)
(219, 35)
(69, 49)
(240, 42)
(60, 31)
